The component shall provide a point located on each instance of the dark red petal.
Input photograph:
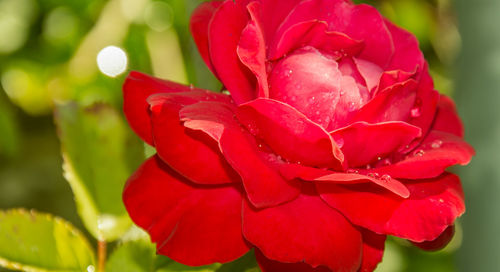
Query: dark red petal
(304, 230)
(136, 89)
(392, 104)
(360, 22)
(314, 33)
(407, 54)
(184, 149)
(290, 134)
(440, 242)
(447, 119)
(437, 152)
(199, 28)
(273, 14)
(223, 42)
(364, 143)
(263, 184)
(373, 250)
(433, 205)
(252, 48)
(170, 209)
(267, 265)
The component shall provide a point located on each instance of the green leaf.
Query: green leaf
(247, 263)
(100, 153)
(37, 242)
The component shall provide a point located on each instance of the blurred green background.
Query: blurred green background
(48, 56)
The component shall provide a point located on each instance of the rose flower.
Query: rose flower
(332, 138)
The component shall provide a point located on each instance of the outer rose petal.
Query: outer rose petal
(267, 265)
(185, 150)
(364, 143)
(433, 205)
(440, 242)
(263, 184)
(373, 250)
(283, 127)
(223, 42)
(170, 209)
(407, 54)
(199, 28)
(304, 230)
(136, 89)
(438, 151)
(447, 119)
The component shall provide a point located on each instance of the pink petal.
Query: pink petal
(392, 104)
(433, 205)
(447, 119)
(170, 209)
(371, 73)
(273, 14)
(199, 28)
(438, 151)
(290, 134)
(360, 22)
(304, 230)
(136, 89)
(264, 185)
(223, 42)
(373, 250)
(363, 143)
(183, 149)
(267, 265)
(314, 33)
(252, 48)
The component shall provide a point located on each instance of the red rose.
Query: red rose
(332, 138)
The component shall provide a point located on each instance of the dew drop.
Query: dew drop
(373, 175)
(352, 171)
(317, 113)
(386, 162)
(419, 153)
(340, 142)
(368, 166)
(436, 144)
(352, 106)
(386, 178)
(415, 112)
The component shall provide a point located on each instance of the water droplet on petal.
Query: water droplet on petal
(340, 142)
(386, 162)
(415, 112)
(352, 171)
(436, 144)
(419, 153)
(386, 178)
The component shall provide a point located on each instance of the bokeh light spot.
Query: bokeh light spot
(112, 61)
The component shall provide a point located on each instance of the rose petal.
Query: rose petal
(199, 28)
(252, 48)
(392, 104)
(440, 242)
(371, 73)
(185, 150)
(136, 89)
(304, 230)
(267, 265)
(364, 143)
(290, 134)
(263, 184)
(360, 22)
(447, 119)
(433, 205)
(314, 33)
(170, 209)
(437, 152)
(407, 54)
(273, 15)
(373, 250)
(223, 42)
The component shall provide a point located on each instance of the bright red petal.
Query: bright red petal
(447, 119)
(199, 28)
(136, 89)
(363, 143)
(290, 134)
(184, 149)
(223, 42)
(252, 48)
(263, 184)
(170, 209)
(373, 250)
(407, 54)
(433, 205)
(304, 230)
